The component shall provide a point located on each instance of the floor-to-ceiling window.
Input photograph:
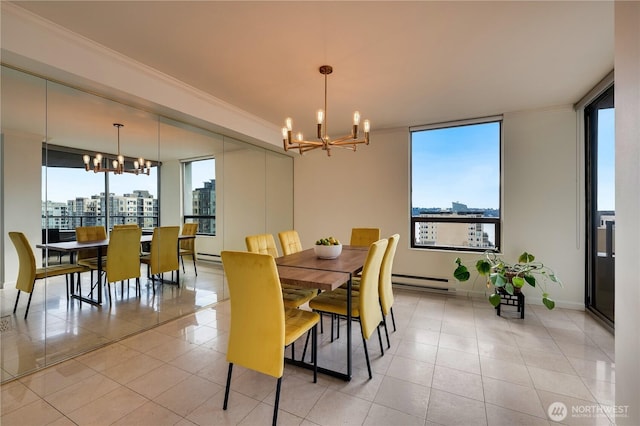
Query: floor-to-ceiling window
(601, 212)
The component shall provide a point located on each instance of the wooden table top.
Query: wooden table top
(312, 278)
(350, 261)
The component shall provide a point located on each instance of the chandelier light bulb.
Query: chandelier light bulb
(289, 123)
(367, 126)
(120, 159)
(86, 159)
(99, 158)
(299, 136)
(356, 118)
(320, 116)
(136, 164)
(115, 164)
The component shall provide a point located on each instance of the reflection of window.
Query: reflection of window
(130, 198)
(199, 177)
(455, 185)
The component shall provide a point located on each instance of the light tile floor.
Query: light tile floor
(57, 328)
(452, 361)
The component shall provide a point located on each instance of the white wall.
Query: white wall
(371, 188)
(627, 303)
(22, 167)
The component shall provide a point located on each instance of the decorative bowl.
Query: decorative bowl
(327, 252)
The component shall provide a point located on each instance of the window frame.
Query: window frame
(496, 221)
(188, 218)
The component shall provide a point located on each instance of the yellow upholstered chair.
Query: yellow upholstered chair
(188, 246)
(261, 327)
(365, 305)
(28, 273)
(125, 225)
(85, 234)
(293, 297)
(385, 289)
(290, 242)
(123, 257)
(364, 237)
(163, 256)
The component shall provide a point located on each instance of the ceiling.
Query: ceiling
(398, 63)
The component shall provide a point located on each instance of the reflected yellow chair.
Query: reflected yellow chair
(364, 237)
(290, 242)
(365, 305)
(125, 225)
(293, 297)
(261, 327)
(163, 256)
(28, 273)
(188, 246)
(123, 257)
(86, 234)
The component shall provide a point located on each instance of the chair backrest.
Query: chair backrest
(290, 242)
(385, 287)
(189, 229)
(164, 249)
(27, 267)
(262, 244)
(256, 337)
(125, 225)
(364, 237)
(89, 233)
(370, 315)
(123, 254)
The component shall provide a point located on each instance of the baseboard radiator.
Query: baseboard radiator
(421, 283)
(208, 257)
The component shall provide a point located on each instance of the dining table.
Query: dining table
(72, 247)
(305, 269)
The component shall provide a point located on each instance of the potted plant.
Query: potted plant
(510, 277)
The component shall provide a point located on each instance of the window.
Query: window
(129, 198)
(455, 185)
(199, 177)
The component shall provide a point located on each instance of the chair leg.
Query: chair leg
(16, 305)
(226, 390)
(194, 265)
(275, 408)
(182, 260)
(384, 323)
(109, 291)
(393, 319)
(306, 343)
(314, 352)
(28, 304)
(366, 352)
(380, 340)
(66, 281)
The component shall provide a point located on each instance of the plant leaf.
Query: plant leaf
(518, 282)
(461, 273)
(530, 279)
(483, 266)
(494, 299)
(550, 304)
(509, 288)
(526, 258)
(498, 280)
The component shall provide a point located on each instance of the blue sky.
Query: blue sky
(66, 184)
(606, 159)
(459, 164)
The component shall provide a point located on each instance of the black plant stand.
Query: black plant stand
(516, 299)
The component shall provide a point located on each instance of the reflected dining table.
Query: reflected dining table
(72, 247)
(305, 269)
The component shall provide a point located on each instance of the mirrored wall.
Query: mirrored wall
(228, 187)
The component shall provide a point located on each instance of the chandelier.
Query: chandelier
(117, 165)
(324, 142)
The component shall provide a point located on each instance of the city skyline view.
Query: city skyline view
(63, 184)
